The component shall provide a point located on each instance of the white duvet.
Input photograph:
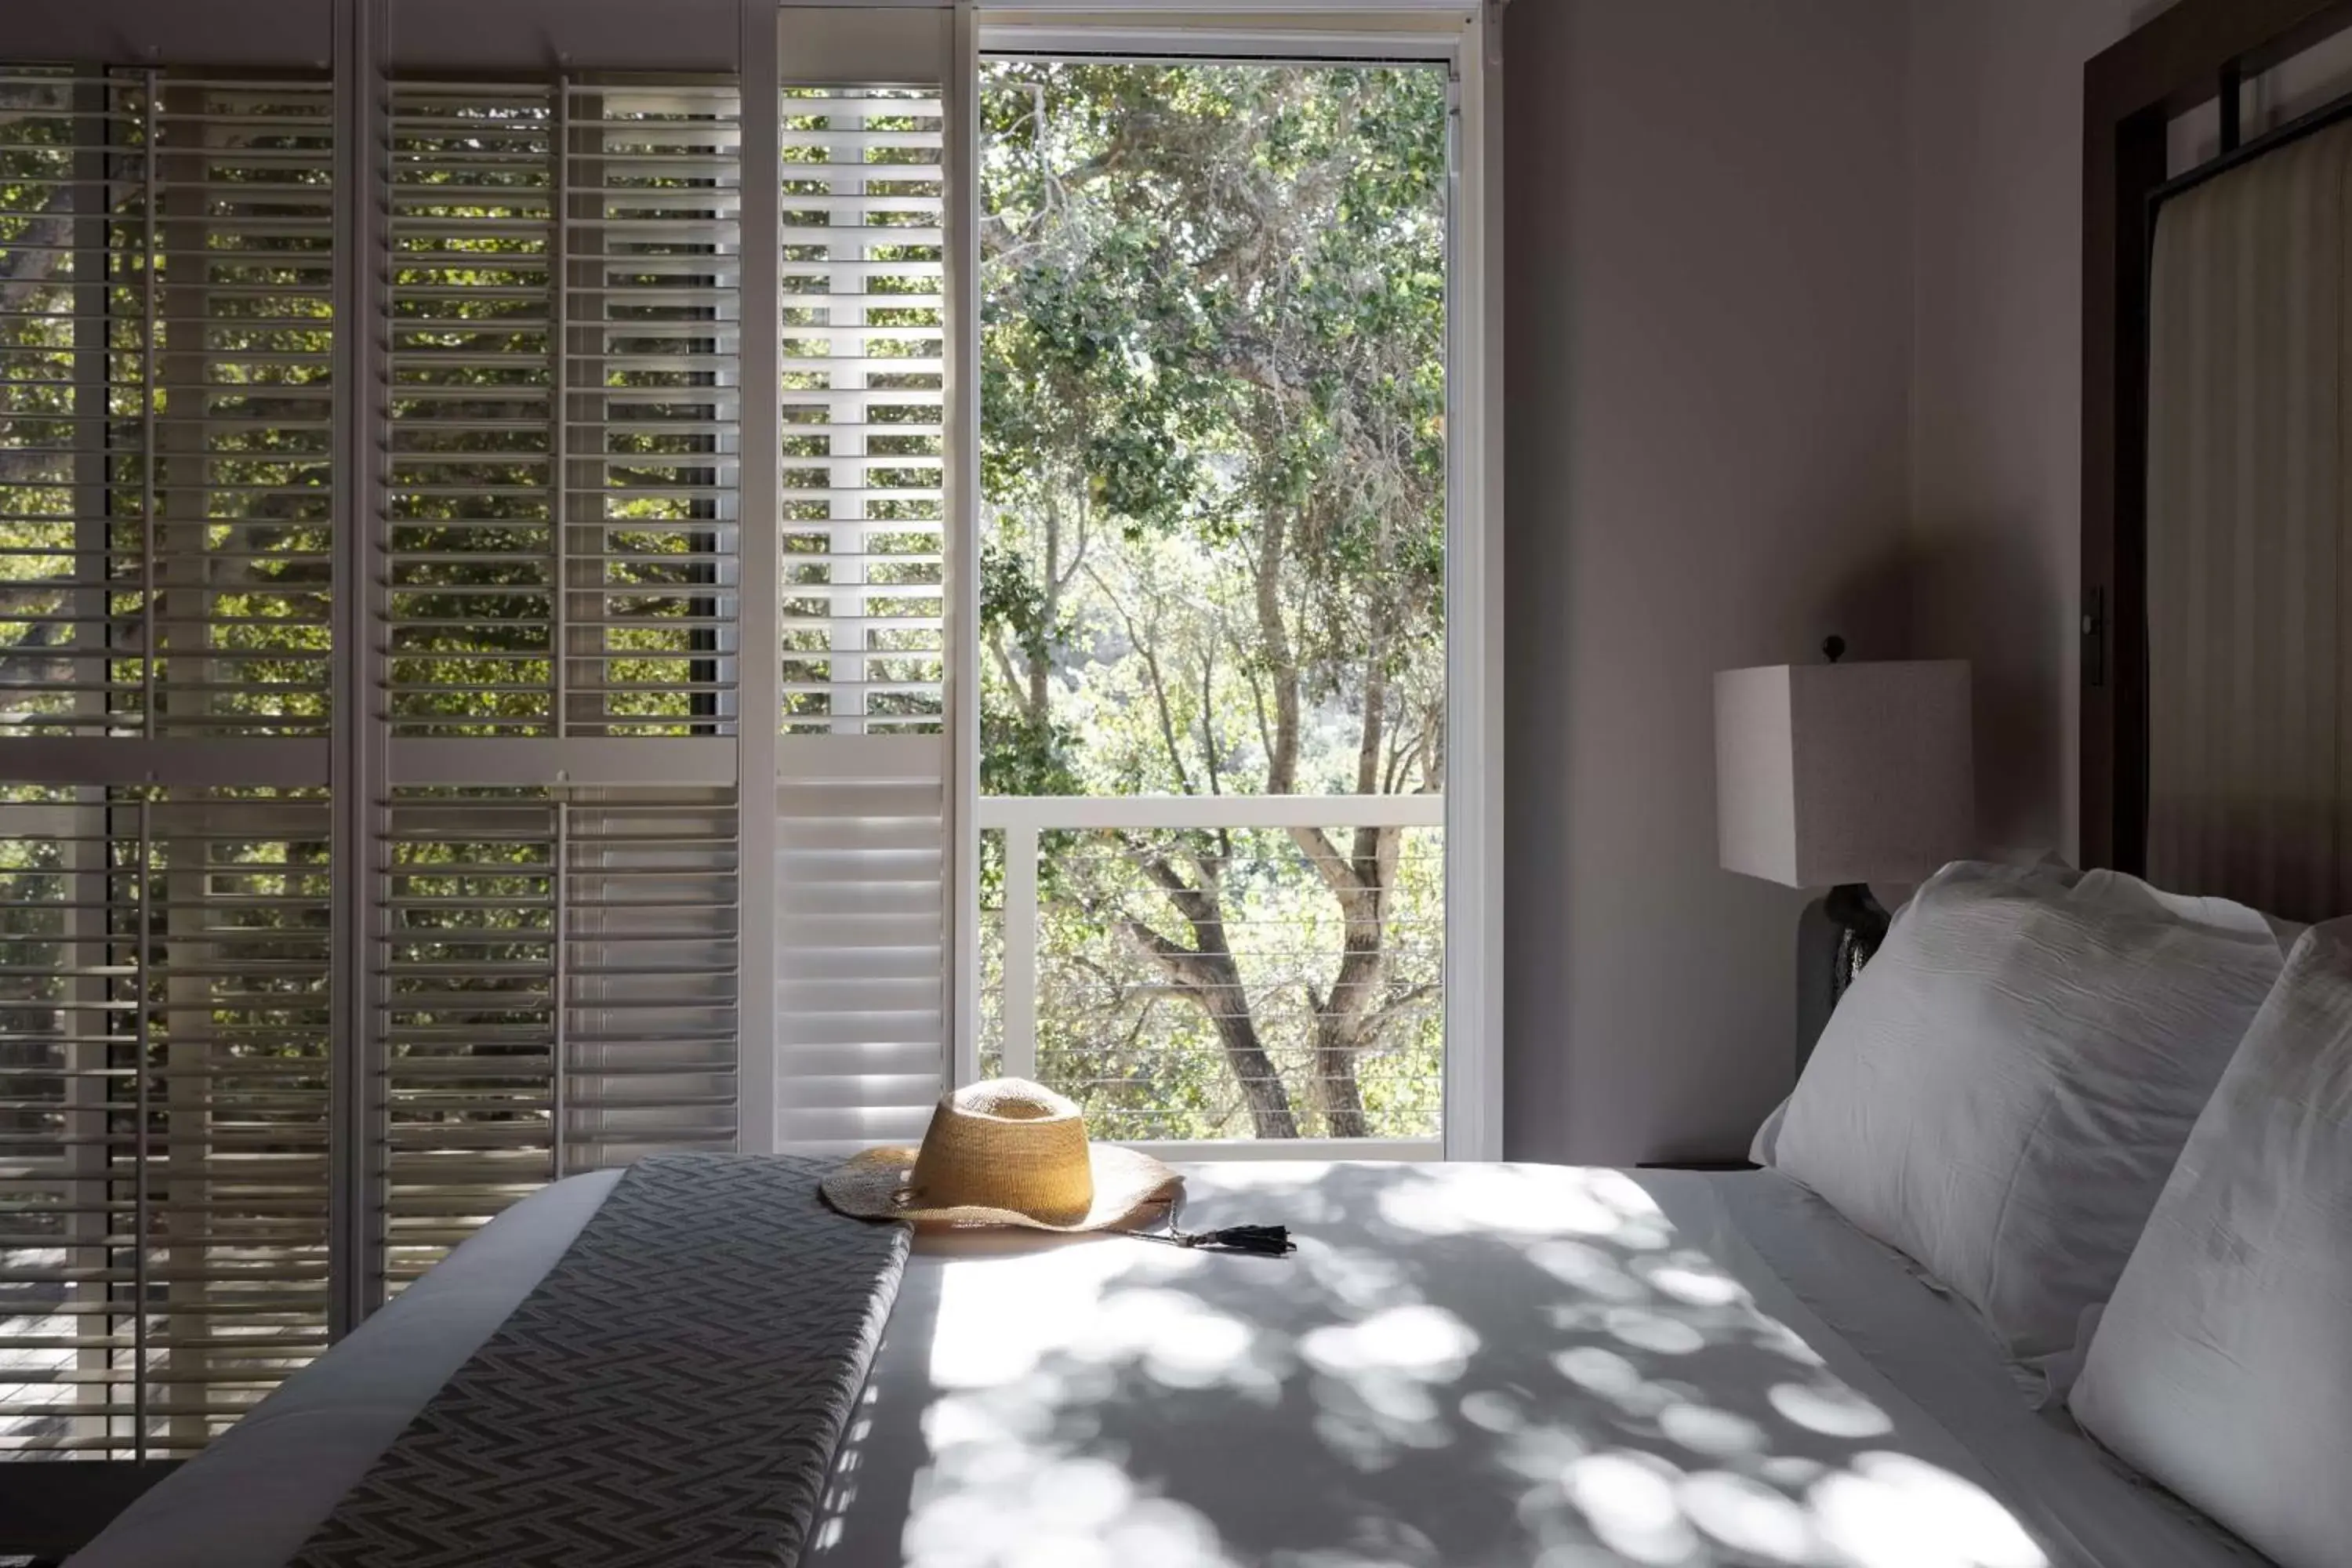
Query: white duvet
(1462, 1365)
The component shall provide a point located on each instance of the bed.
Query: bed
(1461, 1365)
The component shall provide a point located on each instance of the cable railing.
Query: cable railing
(1229, 976)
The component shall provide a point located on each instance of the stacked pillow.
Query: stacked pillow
(2004, 1090)
(2223, 1366)
(2087, 1105)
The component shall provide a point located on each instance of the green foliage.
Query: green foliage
(1212, 562)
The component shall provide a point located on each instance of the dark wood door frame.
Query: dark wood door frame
(2174, 64)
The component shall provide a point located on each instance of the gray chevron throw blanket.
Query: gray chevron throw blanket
(669, 1396)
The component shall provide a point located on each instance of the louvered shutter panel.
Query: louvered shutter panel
(864, 852)
(863, 362)
(862, 867)
(167, 982)
(560, 994)
(164, 358)
(564, 334)
(165, 430)
(558, 949)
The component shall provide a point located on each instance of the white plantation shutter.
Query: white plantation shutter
(314, 957)
(550, 868)
(865, 369)
(164, 363)
(166, 326)
(165, 988)
(558, 863)
(864, 826)
(564, 335)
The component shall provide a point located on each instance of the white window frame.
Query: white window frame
(1465, 39)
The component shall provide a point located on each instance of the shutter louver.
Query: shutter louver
(864, 362)
(564, 335)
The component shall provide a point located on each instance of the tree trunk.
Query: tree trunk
(1362, 881)
(1346, 1019)
(1208, 976)
(1273, 639)
(1218, 990)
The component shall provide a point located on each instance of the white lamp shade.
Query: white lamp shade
(1843, 773)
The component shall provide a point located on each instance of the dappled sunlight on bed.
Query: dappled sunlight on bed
(1462, 1366)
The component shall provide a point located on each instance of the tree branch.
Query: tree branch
(1149, 650)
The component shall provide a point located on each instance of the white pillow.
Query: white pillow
(2006, 1086)
(2223, 1366)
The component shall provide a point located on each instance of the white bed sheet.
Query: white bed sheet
(1462, 1365)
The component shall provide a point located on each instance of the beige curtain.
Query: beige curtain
(2251, 796)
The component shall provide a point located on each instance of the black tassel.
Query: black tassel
(1265, 1240)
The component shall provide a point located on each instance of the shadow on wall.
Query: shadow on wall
(1510, 1366)
(1992, 605)
(1870, 606)
(1996, 607)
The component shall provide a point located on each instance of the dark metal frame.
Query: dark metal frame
(2199, 50)
(2237, 152)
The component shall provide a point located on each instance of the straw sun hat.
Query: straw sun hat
(1006, 1151)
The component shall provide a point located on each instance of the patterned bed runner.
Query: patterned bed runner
(671, 1393)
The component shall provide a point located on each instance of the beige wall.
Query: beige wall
(1996, 439)
(1708, 383)
(1796, 317)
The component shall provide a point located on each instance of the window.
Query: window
(547, 615)
(1213, 592)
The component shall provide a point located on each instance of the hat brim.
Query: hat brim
(1131, 1191)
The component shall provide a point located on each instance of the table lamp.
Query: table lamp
(1836, 775)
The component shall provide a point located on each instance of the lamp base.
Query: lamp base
(1836, 935)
